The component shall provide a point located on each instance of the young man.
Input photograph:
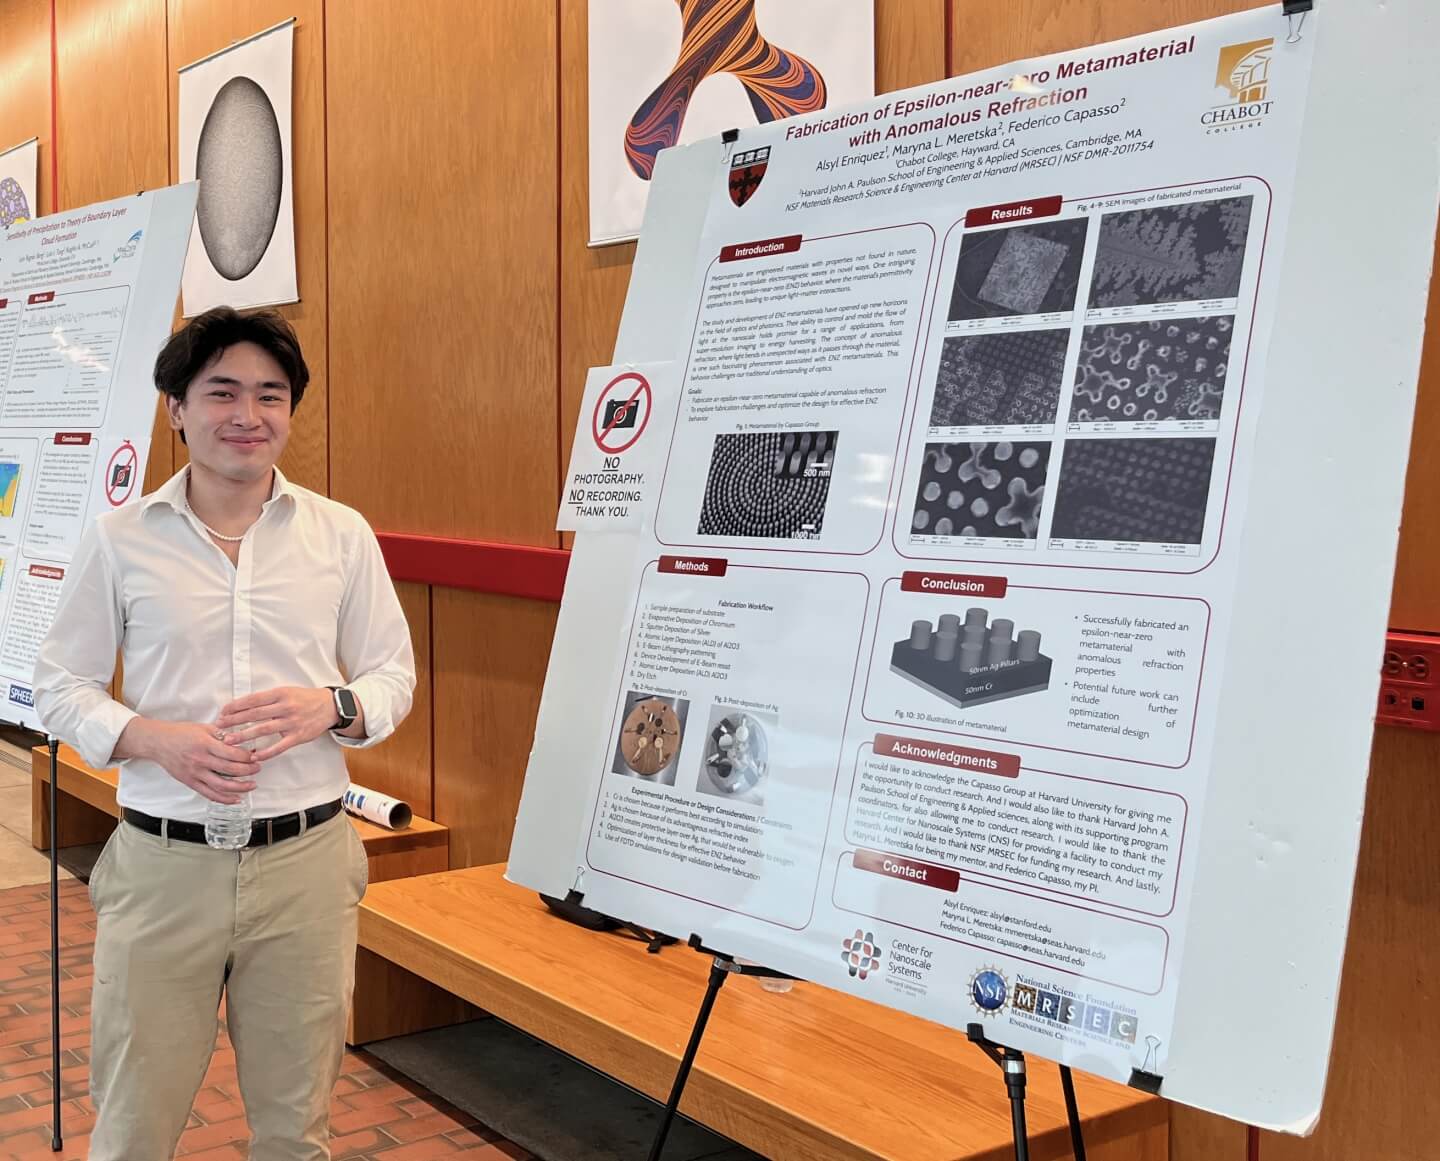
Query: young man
(260, 635)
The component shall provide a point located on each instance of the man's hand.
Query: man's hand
(296, 714)
(194, 755)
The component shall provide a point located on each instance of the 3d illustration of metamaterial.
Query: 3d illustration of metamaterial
(972, 663)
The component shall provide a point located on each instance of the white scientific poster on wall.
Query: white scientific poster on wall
(663, 72)
(944, 673)
(86, 299)
(19, 183)
(236, 138)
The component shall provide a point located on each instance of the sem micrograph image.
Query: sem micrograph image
(1155, 369)
(1030, 269)
(768, 484)
(1008, 378)
(1151, 491)
(981, 489)
(1178, 253)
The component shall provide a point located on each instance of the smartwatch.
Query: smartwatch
(346, 708)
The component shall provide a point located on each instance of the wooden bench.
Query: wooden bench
(811, 1073)
(88, 812)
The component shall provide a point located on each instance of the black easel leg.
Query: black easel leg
(719, 969)
(57, 1139)
(1072, 1113)
(1014, 1064)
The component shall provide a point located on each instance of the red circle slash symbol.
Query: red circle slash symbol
(121, 474)
(620, 415)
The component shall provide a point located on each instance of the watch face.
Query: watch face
(346, 700)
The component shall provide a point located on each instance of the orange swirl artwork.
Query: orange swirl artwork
(721, 36)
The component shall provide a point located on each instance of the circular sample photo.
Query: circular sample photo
(737, 755)
(650, 737)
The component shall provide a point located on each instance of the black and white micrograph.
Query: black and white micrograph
(1011, 378)
(1184, 253)
(1152, 370)
(239, 164)
(768, 484)
(1032, 269)
(992, 490)
(736, 763)
(1147, 491)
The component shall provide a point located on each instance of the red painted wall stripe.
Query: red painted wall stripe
(513, 570)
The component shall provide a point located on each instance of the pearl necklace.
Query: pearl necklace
(216, 535)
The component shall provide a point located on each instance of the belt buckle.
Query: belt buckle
(269, 832)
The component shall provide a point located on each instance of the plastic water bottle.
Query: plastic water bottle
(227, 827)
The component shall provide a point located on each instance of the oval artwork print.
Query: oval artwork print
(238, 164)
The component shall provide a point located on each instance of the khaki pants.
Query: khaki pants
(273, 929)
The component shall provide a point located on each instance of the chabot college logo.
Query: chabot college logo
(1243, 71)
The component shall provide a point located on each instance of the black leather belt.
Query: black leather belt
(263, 831)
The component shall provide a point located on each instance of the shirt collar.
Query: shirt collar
(172, 491)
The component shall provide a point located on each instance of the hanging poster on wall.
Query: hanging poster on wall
(19, 178)
(236, 140)
(668, 71)
(1001, 499)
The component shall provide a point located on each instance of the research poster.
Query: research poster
(921, 653)
(86, 299)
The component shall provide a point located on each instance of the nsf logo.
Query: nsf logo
(988, 990)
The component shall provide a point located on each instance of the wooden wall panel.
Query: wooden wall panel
(401, 766)
(1415, 604)
(490, 659)
(443, 169)
(909, 43)
(985, 33)
(1197, 1136)
(198, 28)
(592, 282)
(1380, 1100)
(25, 84)
(111, 121)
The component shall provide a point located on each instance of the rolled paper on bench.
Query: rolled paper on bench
(378, 808)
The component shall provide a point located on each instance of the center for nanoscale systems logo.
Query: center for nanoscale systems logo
(860, 953)
(1243, 71)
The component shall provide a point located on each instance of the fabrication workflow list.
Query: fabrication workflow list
(918, 680)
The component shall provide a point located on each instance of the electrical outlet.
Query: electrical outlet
(1410, 681)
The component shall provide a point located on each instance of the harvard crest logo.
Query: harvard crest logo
(747, 169)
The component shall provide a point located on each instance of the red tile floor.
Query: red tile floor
(376, 1113)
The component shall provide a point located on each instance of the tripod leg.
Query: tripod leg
(57, 1139)
(1072, 1113)
(718, 972)
(1014, 1065)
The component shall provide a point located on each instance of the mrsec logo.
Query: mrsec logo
(1243, 71)
(20, 695)
(989, 991)
(1085, 1016)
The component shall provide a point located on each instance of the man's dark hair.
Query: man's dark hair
(206, 336)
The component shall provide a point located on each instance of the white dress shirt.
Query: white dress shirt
(310, 603)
